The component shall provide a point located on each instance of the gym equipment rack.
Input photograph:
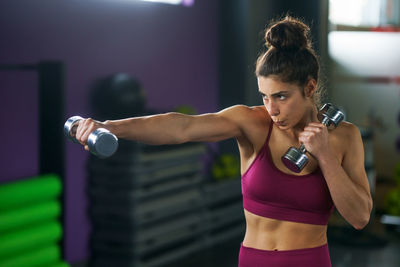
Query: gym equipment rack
(151, 205)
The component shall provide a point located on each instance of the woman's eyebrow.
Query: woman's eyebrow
(275, 94)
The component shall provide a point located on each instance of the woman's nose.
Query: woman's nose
(273, 109)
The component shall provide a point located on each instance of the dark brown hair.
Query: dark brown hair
(290, 55)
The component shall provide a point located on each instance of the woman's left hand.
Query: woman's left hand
(315, 138)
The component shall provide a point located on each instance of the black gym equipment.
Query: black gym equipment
(117, 96)
(101, 142)
(295, 158)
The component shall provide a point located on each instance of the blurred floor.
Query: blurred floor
(378, 249)
(345, 256)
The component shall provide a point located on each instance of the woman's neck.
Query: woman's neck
(309, 116)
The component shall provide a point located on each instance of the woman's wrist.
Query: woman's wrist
(112, 127)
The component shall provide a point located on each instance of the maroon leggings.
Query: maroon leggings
(307, 257)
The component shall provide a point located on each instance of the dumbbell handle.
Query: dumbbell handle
(325, 122)
(70, 128)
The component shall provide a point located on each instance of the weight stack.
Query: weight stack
(224, 211)
(30, 230)
(145, 204)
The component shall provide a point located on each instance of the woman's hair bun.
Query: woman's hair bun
(288, 34)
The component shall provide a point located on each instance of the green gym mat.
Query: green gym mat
(46, 256)
(21, 217)
(24, 192)
(58, 264)
(18, 242)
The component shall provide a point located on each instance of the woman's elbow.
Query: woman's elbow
(360, 224)
(363, 220)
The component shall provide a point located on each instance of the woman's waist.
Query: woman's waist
(271, 234)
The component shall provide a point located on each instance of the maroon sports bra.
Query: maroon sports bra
(271, 193)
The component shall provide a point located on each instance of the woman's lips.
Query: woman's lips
(280, 123)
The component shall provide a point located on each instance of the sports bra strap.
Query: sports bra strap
(269, 132)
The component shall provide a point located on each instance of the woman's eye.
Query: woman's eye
(282, 97)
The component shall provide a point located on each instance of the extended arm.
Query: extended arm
(172, 128)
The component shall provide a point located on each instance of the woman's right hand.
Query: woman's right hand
(85, 128)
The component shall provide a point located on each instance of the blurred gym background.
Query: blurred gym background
(173, 205)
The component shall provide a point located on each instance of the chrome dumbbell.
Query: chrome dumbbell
(101, 142)
(295, 158)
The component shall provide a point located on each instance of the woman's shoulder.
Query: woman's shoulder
(344, 138)
(250, 116)
(251, 112)
(347, 134)
(254, 121)
(347, 130)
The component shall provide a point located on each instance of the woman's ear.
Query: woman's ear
(310, 88)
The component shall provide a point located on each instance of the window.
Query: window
(364, 13)
(173, 2)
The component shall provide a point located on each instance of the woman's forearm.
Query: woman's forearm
(351, 199)
(155, 130)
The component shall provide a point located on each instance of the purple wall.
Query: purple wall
(172, 50)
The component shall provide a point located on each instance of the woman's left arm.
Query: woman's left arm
(347, 180)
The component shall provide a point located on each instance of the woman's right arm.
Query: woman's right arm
(173, 128)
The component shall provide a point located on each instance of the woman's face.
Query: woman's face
(284, 102)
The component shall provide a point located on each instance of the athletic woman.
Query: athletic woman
(286, 213)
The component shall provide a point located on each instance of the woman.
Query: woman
(286, 213)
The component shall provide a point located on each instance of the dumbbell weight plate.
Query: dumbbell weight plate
(331, 115)
(70, 129)
(101, 143)
(294, 160)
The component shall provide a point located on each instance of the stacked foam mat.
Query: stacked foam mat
(148, 206)
(30, 230)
